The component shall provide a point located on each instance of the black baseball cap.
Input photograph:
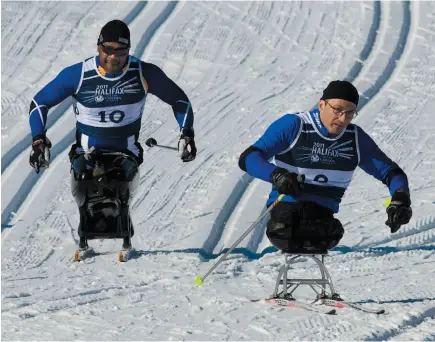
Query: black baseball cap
(115, 31)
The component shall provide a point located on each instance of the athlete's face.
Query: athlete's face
(336, 114)
(113, 56)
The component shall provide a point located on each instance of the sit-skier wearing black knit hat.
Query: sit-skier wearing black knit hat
(314, 156)
(109, 92)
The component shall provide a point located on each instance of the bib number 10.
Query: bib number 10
(116, 116)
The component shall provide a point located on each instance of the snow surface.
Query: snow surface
(243, 65)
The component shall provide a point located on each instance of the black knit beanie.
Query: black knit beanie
(343, 90)
(115, 31)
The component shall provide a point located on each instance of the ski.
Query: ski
(81, 255)
(293, 303)
(125, 254)
(343, 304)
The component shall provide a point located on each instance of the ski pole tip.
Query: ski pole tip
(199, 281)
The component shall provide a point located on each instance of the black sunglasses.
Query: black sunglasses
(111, 51)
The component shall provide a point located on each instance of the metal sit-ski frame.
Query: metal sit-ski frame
(291, 284)
(319, 285)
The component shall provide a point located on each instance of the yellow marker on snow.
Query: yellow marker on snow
(199, 281)
(387, 202)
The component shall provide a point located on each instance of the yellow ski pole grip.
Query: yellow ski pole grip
(387, 202)
(200, 280)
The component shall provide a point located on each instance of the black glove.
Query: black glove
(399, 211)
(286, 182)
(40, 153)
(186, 145)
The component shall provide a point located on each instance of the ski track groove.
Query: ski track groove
(178, 205)
(421, 226)
(353, 267)
(154, 26)
(395, 57)
(408, 323)
(196, 36)
(84, 298)
(31, 255)
(355, 71)
(223, 40)
(35, 35)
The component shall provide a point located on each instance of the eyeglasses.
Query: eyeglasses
(110, 51)
(350, 114)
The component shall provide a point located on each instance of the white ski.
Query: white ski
(125, 254)
(81, 254)
(344, 304)
(293, 303)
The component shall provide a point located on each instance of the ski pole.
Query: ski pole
(151, 142)
(200, 280)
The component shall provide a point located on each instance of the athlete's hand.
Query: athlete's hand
(40, 152)
(399, 211)
(187, 146)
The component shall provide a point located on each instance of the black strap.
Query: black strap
(32, 106)
(391, 174)
(244, 155)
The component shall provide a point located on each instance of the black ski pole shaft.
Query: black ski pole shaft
(167, 147)
(151, 142)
